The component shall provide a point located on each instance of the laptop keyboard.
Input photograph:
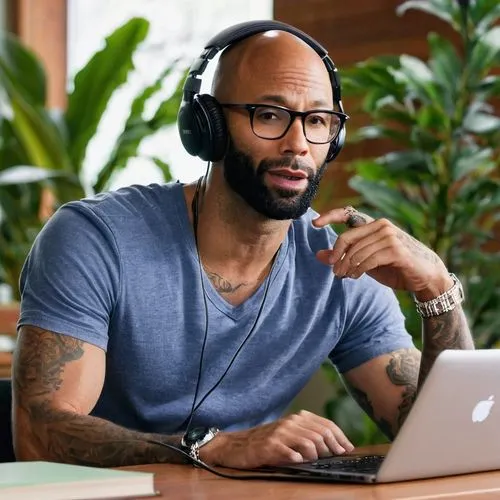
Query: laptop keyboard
(363, 464)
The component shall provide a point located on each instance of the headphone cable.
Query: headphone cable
(194, 209)
(195, 405)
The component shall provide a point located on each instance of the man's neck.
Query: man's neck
(237, 246)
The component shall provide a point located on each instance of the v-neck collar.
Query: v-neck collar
(253, 302)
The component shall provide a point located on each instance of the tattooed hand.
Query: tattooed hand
(385, 252)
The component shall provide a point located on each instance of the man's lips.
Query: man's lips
(288, 173)
(287, 179)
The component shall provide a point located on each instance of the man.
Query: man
(155, 310)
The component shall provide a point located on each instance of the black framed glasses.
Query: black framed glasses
(271, 122)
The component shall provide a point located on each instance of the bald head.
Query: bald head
(271, 63)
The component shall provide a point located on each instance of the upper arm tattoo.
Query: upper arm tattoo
(40, 360)
(402, 370)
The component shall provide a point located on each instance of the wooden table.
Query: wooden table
(183, 482)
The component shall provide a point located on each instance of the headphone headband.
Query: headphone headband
(201, 121)
(239, 32)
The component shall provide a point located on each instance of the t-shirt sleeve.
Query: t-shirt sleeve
(374, 324)
(70, 280)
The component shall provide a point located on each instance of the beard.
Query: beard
(278, 204)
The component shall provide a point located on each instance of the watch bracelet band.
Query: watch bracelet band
(194, 451)
(445, 302)
(193, 448)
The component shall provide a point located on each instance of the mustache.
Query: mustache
(295, 164)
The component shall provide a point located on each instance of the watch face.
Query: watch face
(196, 434)
(199, 436)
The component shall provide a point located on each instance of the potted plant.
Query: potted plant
(42, 151)
(441, 181)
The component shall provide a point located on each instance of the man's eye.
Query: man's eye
(317, 120)
(267, 115)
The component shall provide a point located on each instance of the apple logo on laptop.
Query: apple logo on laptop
(482, 410)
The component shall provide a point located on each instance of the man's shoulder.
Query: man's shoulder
(130, 201)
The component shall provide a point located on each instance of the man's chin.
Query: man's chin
(287, 193)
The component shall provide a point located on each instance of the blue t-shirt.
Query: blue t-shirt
(120, 271)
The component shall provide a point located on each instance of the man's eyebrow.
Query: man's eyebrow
(280, 100)
(277, 99)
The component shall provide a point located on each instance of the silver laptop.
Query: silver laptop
(453, 428)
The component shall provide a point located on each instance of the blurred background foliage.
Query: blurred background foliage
(441, 181)
(42, 151)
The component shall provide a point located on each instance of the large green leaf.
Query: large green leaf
(484, 14)
(34, 130)
(410, 161)
(379, 132)
(24, 174)
(482, 123)
(472, 160)
(164, 167)
(419, 80)
(432, 119)
(484, 56)
(137, 128)
(446, 10)
(393, 174)
(19, 66)
(373, 73)
(390, 202)
(488, 87)
(446, 66)
(11, 152)
(96, 82)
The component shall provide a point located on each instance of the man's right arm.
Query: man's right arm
(57, 381)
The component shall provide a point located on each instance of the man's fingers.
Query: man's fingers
(331, 434)
(336, 432)
(379, 258)
(284, 455)
(324, 440)
(357, 262)
(350, 238)
(347, 215)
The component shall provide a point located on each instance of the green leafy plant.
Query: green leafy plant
(440, 182)
(44, 149)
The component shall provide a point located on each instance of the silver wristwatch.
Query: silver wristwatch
(445, 302)
(195, 438)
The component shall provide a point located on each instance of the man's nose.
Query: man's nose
(294, 141)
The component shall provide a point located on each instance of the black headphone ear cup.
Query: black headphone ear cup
(188, 128)
(336, 146)
(212, 126)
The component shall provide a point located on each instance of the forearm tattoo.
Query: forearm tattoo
(63, 435)
(364, 402)
(446, 331)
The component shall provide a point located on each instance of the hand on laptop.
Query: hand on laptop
(384, 252)
(295, 438)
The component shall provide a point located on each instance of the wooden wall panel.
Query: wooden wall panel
(353, 31)
(42, 25)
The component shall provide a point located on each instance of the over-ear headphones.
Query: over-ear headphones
(201, 121)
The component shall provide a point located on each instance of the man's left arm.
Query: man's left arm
(387, 385)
